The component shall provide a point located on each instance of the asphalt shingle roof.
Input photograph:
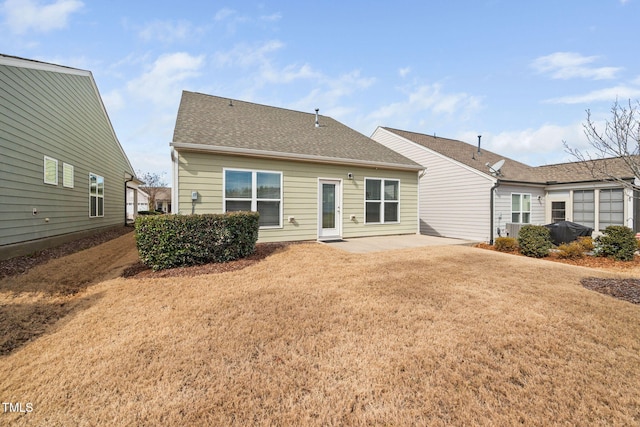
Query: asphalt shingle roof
(211, 121)
(516, 171)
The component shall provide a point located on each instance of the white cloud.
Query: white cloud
(248, 56)
(568, 65)
(404, 71)
(271, 18)
(430, 99)
(31, 15)
(534, 146)
(223, 14)
(113, 101)
(601, 95)
(163, 82)
(168, 31)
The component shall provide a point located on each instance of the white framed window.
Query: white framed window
(96, 195)
(50, 170)
(611, 208)
(67, 175)
(584, 208)
(521, 208)
(254, 190)
(382, 201)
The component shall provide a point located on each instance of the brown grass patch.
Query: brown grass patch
(315, 336)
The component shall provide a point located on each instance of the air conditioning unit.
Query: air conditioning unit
(513, 229)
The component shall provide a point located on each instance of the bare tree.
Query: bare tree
(616, 148)
(153, 184)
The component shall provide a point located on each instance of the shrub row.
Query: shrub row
(166, 241)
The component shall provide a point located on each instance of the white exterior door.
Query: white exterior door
(329, 208)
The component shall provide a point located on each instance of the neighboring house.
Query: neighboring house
(162, 197)
(471, 193)
(309, 176)
(63, 173)
(143, 203)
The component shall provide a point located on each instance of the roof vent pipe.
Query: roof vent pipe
(317, 122)
(479, 136)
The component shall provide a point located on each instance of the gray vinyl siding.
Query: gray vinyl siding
(454, 200)
(58, 115)
(202, 172)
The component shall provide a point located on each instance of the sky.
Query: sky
(520, 73)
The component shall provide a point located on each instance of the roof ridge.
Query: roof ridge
(256, 104)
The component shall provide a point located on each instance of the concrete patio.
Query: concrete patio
(387, 243)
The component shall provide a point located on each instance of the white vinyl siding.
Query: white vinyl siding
(67, 175)
(258, 191)
(50, 171)
(454, 199)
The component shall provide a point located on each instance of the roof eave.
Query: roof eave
(291, 156)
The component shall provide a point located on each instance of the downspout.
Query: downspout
(496, 185)
(420, 175)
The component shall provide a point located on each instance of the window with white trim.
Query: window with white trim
(382, 201)
(521, 208)
(584, 208)
(96, 195)
(611, 208)
(50, 171)
(67, 175)
(258, 191)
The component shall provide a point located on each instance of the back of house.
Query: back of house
(309, 176)
(63, 172)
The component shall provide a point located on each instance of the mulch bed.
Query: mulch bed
(624, 289)
(263, 250)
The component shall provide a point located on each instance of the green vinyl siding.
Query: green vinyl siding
(57, 115)
(202, 172)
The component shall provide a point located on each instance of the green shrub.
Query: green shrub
(617, 242)
(571, 250)
(586, 242)
(534, 241)
(166, 241)
(506, 244)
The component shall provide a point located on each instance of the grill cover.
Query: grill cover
(567, 231)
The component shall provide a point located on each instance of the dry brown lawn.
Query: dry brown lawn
(312, 335)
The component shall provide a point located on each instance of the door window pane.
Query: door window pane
(328, 206)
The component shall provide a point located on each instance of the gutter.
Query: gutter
(292, 156)
(491, 197)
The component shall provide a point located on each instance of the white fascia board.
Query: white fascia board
(435, 153)
(291, 156)
(13, 61)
